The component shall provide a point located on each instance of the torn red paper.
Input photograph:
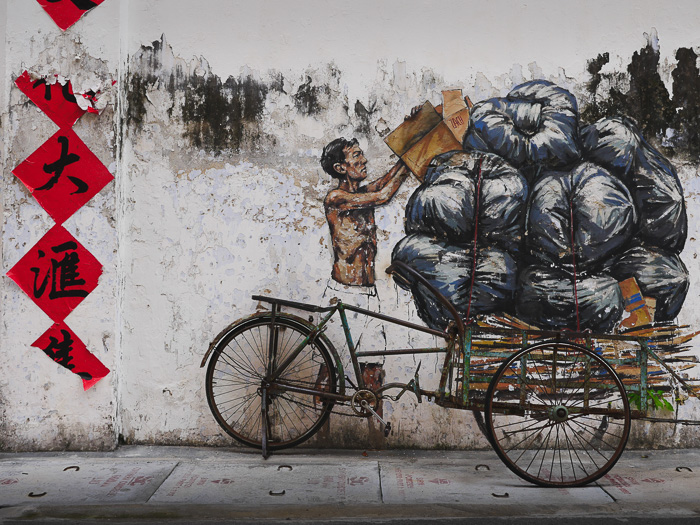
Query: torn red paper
(95, 100)
(57, 273)
(55, 99)
(65, 348)
(67, 12)
(63, 174)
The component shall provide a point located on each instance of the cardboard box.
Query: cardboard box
(419, 138)
(455, 112)
(635, 304)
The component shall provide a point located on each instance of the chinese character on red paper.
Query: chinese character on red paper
(63, 346)
(56, 100)
(67, 12)
(57, 273)
(63, 174)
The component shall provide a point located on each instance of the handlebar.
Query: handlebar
(398, 265)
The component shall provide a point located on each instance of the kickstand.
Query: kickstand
(265, 424)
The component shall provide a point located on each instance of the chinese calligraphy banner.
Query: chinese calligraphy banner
(57, 273)
(67, 12)
(63, 346)
(63, 174)
(56, 100)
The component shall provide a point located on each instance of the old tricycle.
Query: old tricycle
(555, 404)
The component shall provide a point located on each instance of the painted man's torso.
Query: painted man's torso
(354, 238)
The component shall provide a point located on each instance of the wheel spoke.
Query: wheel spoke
(569, 448)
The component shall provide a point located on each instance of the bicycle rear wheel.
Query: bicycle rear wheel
(240, 363)
(558, 415)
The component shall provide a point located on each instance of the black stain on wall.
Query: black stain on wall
(226, 115)
(142, 74)
(648, 100)
(686, 99)
(217, 115)
(614, 102)
(364, 116)
(639, 92)
(310, 99)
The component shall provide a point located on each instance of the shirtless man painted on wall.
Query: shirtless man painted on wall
(350, 210)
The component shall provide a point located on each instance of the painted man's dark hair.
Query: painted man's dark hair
(333, 153)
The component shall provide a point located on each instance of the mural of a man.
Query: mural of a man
(350, 210)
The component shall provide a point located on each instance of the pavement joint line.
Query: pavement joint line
(379, 473)
(601, 487)
(162, 482)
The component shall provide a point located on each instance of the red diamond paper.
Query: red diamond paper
(57, 273)
(65, 348)
(67, 12)
(56, 100)
(63, 174)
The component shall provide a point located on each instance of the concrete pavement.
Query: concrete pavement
(146, 484)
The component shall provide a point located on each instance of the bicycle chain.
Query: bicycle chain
(338, 403)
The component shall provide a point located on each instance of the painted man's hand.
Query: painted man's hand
(414, 111)
(402, 169)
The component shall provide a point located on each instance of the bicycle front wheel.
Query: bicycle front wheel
(240, 363)
(558, 415)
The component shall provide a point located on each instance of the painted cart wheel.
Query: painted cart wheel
(558, 415)
(238, 368)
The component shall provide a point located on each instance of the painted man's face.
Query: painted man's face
(355, 165)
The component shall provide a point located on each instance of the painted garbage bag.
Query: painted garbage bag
(448, 267)
(617, 144)
(586, 212)
(552, 298)
(445, 205)
(535, 126)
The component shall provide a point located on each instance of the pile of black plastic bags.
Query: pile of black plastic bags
(541, 217)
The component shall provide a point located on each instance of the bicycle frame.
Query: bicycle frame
(341, 308)
(459, 362)
(454, 334)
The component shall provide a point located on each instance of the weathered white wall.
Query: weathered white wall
(3, 127)
(43, 404)
(188, 233)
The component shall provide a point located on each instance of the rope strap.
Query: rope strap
(476, 232)
(573, 258)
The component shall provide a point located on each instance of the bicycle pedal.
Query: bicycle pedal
(387, 429)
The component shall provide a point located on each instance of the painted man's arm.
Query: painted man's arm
(383, 181)
(345, 200)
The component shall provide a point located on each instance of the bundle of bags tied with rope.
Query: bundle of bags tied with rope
(537, 216)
